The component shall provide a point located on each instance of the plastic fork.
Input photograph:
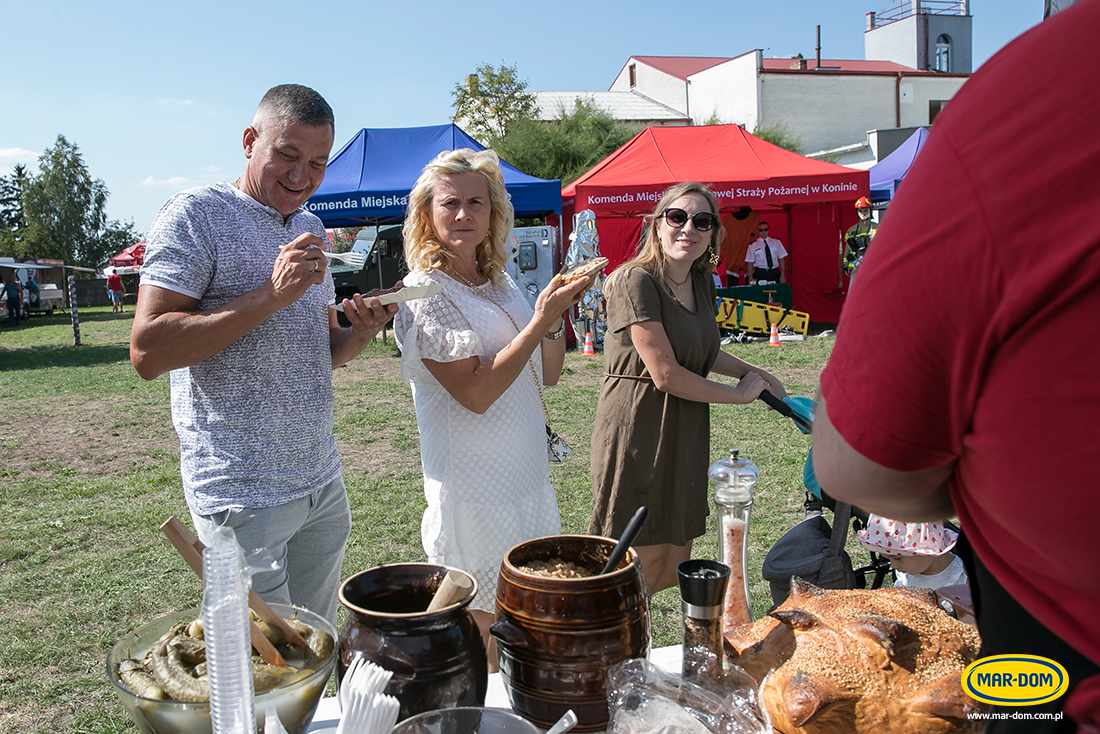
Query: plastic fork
(352, 259)
(363, 678)
(345, 684)
(369, 713)
(354, 716)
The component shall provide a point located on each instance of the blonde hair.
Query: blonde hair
(423, 251)
(650, 256)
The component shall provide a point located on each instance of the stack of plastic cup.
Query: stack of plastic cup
(228, 647)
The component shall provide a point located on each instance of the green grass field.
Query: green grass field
(89, 470)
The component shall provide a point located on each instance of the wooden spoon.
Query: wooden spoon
(191, 549)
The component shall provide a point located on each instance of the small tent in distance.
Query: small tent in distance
(887, 174)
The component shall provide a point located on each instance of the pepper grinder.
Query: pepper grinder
(733, 478)
(702, 586)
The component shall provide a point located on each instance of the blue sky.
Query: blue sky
(157, 95)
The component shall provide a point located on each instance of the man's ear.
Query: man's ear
(250, 137)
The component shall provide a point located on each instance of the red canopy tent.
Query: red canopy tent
(808, 203)
(131, 257)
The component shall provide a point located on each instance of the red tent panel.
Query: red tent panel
(807, 202)
(132, 256)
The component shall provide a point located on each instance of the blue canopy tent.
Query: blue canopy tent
(369, 179)
(887, 174)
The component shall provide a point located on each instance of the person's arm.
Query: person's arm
(553, 357)
(748, 272)
(168, 332)
(367, 319)
(476, 384)
(730, 366)
(783, 270)
(849, 476)
(669, 376)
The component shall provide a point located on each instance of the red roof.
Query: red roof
(681, 67)
(841, 65)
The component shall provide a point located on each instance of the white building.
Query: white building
(918, 54)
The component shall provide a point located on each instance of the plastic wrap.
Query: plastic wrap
(585, 246)
(644, 698)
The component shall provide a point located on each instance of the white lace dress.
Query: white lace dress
(486, 477)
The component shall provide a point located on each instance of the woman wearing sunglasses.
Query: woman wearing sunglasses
(652, 435)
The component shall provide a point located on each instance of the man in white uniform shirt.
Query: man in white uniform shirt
(766, 258)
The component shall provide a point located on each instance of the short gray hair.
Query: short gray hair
(295, 105)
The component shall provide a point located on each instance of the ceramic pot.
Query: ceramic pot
(438, 659)
(558, 636)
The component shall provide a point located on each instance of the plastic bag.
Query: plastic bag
(644, 698)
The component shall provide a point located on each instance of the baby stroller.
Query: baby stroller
(814, 550)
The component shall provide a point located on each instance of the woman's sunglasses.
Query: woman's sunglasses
(703, 221)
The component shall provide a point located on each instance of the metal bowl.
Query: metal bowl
(465, 720)
(296, 702)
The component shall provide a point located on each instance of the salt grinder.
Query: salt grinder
(702, 587)
(733, 479)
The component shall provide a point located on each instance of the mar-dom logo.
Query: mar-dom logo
(1015, 680)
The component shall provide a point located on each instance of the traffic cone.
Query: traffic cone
(590, 352)
(773, 340)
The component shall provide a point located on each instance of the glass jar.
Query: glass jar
(733, 478)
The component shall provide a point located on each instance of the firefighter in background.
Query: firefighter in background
(857, 238)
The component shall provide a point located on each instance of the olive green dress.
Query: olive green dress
(648, 447)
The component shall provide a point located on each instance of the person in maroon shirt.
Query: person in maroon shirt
(115, 290)
(978, 396)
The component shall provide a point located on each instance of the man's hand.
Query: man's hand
(299, 265)
(367, 316)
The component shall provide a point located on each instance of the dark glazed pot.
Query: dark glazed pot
(557, 637)
(438, 660)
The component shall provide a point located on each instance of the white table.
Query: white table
(327, 717)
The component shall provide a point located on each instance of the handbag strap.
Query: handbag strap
(842, 514)
(530, 363)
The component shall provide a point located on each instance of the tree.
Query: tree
(343, 238)
(489, 101)
(566, 147)
(65, 208)
(11, 198)
(780, 134)
(12, 224)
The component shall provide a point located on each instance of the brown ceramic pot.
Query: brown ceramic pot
(438, 660)
(557, 637)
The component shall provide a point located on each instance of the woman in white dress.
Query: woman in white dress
(478, 357)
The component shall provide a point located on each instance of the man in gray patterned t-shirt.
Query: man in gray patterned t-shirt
(234, 302)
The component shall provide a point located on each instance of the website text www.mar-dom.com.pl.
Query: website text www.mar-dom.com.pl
(1016, 715)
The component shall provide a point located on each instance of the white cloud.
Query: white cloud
(10, 157)
(211, 169)
(176, 182)
(175, 102)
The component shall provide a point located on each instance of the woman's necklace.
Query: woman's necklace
(679, 283)
(460, 276)
(676, 286)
